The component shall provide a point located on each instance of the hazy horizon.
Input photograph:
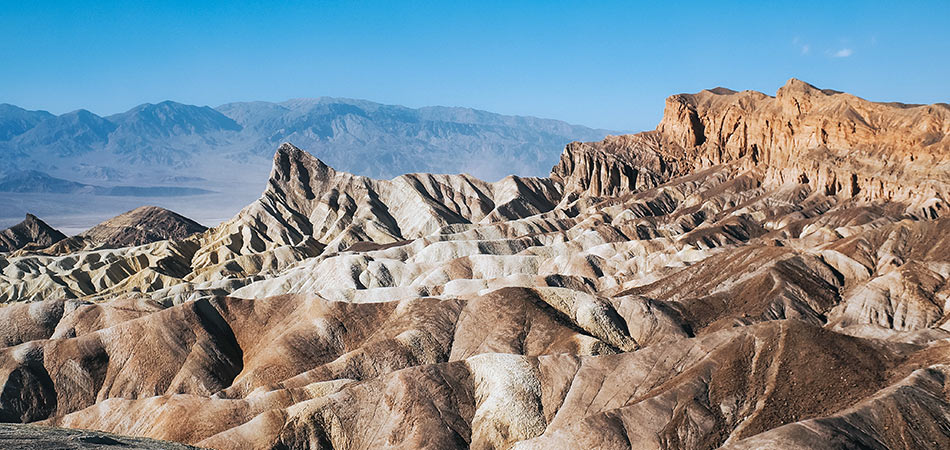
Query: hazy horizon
(320, 97)
(604, 65)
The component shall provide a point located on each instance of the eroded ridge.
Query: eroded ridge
(757, 272)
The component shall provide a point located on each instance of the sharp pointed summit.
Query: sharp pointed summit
(30, 232)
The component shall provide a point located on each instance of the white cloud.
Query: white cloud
(843, 53)
(804, 47)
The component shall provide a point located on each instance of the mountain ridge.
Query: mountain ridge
(716, 282)
(167, 132)
(31, 232)
(228, 150)
(35, 181)
(900, 152)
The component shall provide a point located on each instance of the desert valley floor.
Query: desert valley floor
(756, 272)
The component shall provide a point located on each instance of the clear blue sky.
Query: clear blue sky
(597, 63)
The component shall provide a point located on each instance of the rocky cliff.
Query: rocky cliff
(834, 142)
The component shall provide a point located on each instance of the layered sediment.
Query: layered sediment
(756, 272)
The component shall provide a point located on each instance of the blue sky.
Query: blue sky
(604, 64)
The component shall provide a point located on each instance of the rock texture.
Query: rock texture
(32, 232)
(47, 438)
(836, 143)
(142, 226)
(308, 204)
(757, 272)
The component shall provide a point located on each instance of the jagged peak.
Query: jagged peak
(288, 153)
(776, 134)
(33, 221)
(39, 225)
(795, 87)
(288, 148)
(31, 231)
(795, 83)
(719, 90)
(299, 168)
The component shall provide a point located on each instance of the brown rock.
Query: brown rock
(142, 226)
(32, 232)
(757, 272)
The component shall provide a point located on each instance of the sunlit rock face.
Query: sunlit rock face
(757, 272)
(834, 142)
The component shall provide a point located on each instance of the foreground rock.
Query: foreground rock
(43, 438)
(687, 287)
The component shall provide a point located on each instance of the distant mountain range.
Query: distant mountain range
(171, 149)
(34, 181)
(356, 135)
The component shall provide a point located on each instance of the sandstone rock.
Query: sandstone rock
(836, 143)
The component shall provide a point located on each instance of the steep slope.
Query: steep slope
(309, 204)
(166, 133)
(679, 288)
(836, 143)
(70, 134)
(31, 232)
(142, 226)
(307, 209)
